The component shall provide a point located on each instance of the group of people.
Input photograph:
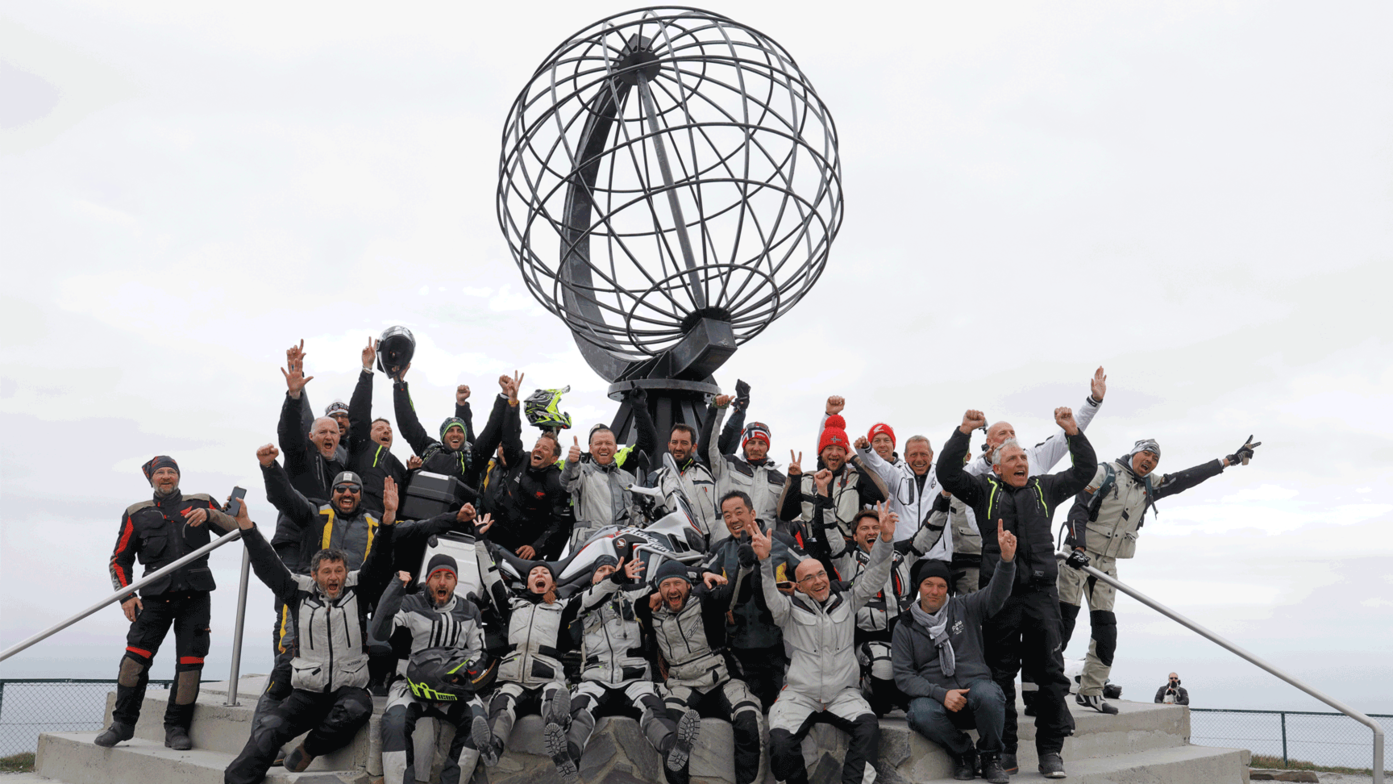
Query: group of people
(870, 583)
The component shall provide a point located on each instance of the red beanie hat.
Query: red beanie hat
(833, 436)
(835, 420)
(878, 428)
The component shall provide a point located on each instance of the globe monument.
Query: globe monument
(669, 185)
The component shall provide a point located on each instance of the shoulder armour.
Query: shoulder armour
(136, 507)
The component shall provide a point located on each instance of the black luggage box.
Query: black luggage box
(428, 495)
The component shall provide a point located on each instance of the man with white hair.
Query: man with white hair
(823, 680)
(1026, 633)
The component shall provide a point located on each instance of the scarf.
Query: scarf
(937, 626)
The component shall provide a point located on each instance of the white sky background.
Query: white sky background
(1195, 195)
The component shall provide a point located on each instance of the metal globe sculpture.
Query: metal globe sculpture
(669, 186)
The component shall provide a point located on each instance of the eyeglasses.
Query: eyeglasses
(814, 576)
(353, 489)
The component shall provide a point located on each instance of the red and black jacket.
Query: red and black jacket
(156, 532)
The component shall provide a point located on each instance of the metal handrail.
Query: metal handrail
(129, 589)
(1212, 637)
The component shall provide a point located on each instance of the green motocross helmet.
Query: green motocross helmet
(543, 409)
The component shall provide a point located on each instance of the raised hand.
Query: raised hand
(405, 578)
(295, 354)
(795, 463)
(835, 404)
(294, 371)
(1064, 417)
(633, 569)
(761, 542)
(1006, 541)
(722, 401)
(244, 517)
(861, 442)
(267, 455)
(1244, 453)
(369, 354)
(466, 513)
(461, 394)
(823, 480)
(888, 521)
(414, 462)
(972, 419)
(389, 500)
(573, 456)
(1098, 385)
(742, 395)
(484, 524)
(710, 580)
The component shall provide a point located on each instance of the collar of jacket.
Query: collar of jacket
(173, 499)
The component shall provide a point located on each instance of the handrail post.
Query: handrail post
(1285, 763)
(237, 630)
(1241, 653)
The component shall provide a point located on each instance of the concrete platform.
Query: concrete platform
(1144, 744)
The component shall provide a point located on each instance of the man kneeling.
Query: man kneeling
(823, 682)
(939, 664)
(329, 673)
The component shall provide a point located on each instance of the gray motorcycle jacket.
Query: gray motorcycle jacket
(692, 639)
(330, 643)
(613, 640)
(457, 626)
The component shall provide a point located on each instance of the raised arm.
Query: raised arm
(1085, 462)
(294, 439)
(360, 404)
(265, 562)
(385, 614)
(706, 442)
(407, 421)
(779, 605)
(1180, 481)
(877, 571)
(989, 601)
(513, 451)
(1045, 455)
(287, 500)
(791, 499)
(646, 433)
(464, 412)
(950, 464)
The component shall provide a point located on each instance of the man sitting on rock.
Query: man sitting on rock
(940, 664)
(823, 681)
(329, 673)
(689, 629)
(615, 675)
(447, 658)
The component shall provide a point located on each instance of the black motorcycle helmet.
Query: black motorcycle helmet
(394, 351)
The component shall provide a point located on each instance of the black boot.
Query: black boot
(114, 734)
(1008, 763)
(177, 738)
(992, 770)
(965, 766)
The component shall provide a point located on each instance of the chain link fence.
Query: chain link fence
(1326, 739)
(34, 706)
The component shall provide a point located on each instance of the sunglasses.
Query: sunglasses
(354, 489)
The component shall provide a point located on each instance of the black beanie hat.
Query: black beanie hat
(156, 463)
(929, 567)
(606, 560)
(442, 561)
(672, 568)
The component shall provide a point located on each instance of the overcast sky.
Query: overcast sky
(1198, 196)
